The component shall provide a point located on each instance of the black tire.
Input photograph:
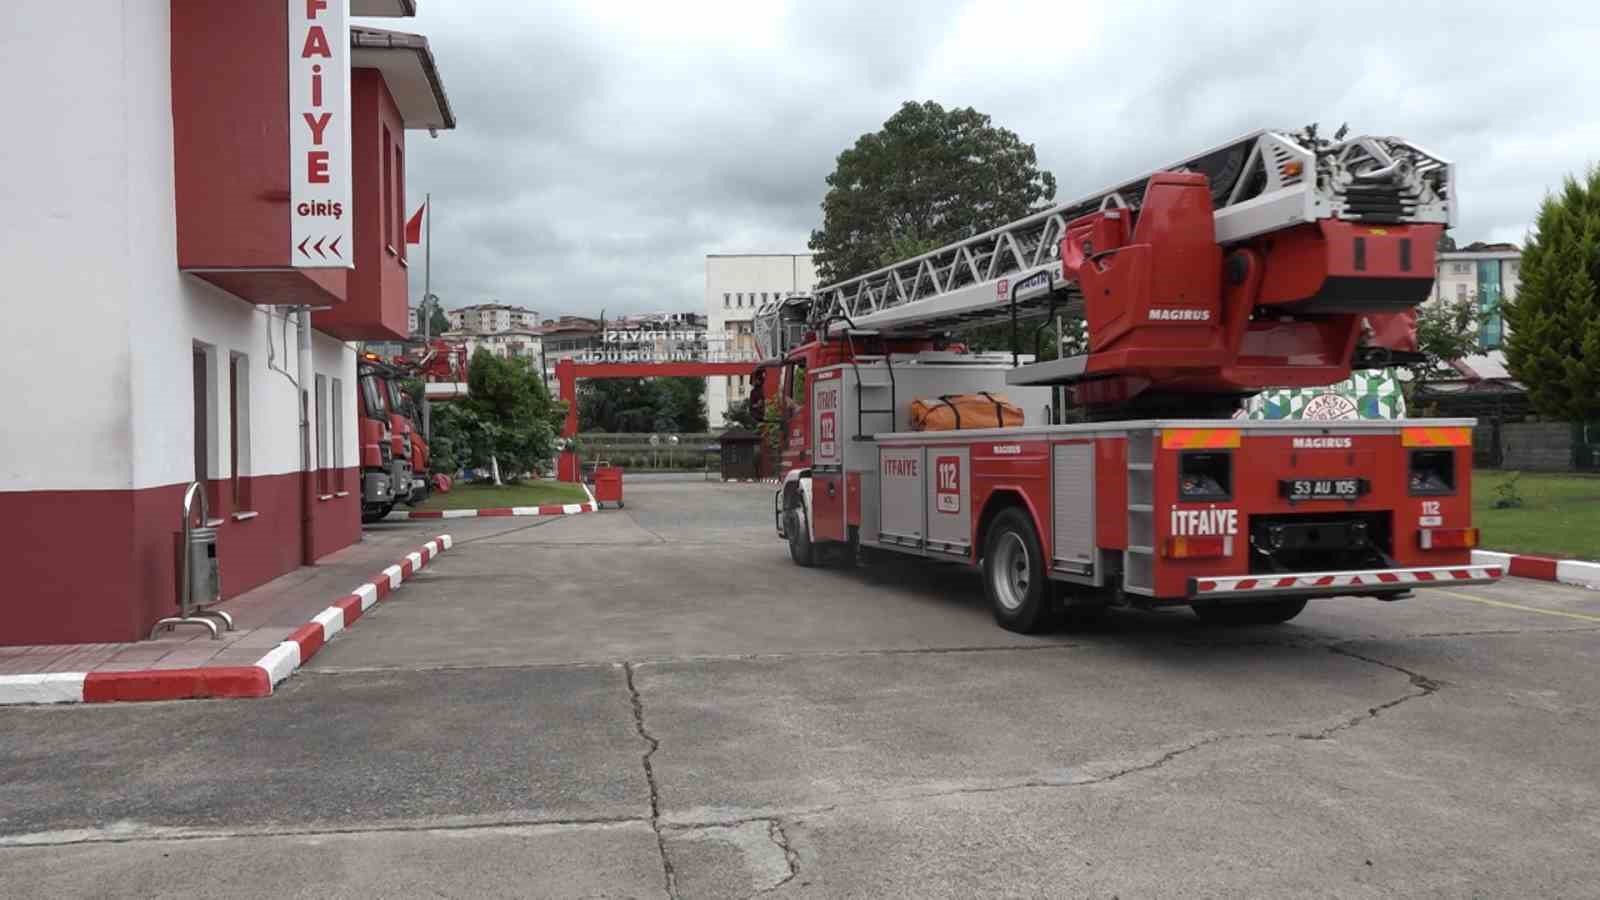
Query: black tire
(1272, 612)
(801, 550)
(370, 515)
(1020, 595)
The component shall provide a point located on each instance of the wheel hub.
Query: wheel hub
(1011, 571)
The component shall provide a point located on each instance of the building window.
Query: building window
(338, 434)
(239, 430)
(400, 199)
(1462, 268)
(202, 421)
(388, 190)
(1461, 292)
(322, 434)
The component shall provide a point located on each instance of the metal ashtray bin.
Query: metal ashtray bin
(205, 579)
(198, 576)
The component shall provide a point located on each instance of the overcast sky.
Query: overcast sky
(603, 148)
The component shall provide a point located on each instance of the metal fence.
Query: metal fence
(685, 452)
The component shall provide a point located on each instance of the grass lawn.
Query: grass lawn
(1560, 514)
(486, 496)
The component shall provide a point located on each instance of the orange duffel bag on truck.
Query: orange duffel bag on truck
(954, 412)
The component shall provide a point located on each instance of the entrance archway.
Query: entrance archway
(569, 371)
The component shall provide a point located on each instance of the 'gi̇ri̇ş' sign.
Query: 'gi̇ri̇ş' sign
(319, 134)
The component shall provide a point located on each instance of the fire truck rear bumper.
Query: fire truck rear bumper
(1333, 584)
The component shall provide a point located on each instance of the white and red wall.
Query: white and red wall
(100, 426)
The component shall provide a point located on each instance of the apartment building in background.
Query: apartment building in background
(490, 317)
(736, 286)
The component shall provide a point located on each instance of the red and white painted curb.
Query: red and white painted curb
(200, 682)
(1566, 571)
(564, 509)
(553, 509)
(1387, 578)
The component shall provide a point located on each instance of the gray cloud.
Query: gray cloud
(604, 148)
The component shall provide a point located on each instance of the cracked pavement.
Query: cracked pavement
(653, 702)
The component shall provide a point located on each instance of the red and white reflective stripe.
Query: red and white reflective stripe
(1367, 579)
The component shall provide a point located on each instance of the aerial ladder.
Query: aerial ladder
(1351, 226)
(1279, 259)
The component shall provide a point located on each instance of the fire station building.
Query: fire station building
(182, 176)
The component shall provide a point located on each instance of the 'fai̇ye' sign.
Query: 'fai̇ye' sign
(319, 134)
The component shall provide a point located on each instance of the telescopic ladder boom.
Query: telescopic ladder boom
(1263, 182)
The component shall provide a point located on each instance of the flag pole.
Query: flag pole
(427, 259)
(427, 309)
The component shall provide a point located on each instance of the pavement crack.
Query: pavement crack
(776, 834)
(484, 537)
(1426, 684)
(650, 778)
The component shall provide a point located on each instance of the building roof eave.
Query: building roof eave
(408, 69)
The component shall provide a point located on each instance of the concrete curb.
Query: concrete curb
(565, 509)
(553, 509)
(1566, 571)
(203, 682)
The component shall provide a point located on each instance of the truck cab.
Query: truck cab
(377, 448)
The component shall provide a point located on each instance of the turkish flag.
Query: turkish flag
(414, 226)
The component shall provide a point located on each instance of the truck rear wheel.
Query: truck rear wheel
(801, 550)
(1021, 597)
(1272, 612)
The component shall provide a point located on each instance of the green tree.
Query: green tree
(639, 405)
(438, 323)
(507, 418)
(1553, 341)
(928, 177)
(1447, 330)
(740, 416)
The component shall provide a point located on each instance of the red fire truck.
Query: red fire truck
(1275, 260)
(393, 449)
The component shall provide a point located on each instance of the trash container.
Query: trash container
(608, 486)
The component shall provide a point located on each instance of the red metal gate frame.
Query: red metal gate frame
(569, 371)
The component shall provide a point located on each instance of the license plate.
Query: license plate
(1322, 488)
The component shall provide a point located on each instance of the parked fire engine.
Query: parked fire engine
(1275, 260)
(393, 449)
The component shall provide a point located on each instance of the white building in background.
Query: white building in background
(1488, 275)
(736, 286)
